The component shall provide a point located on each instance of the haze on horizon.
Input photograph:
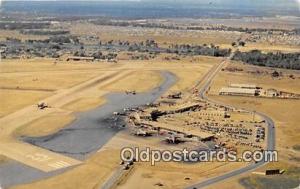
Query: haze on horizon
(157, 8)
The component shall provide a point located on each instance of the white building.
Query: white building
(238, 91)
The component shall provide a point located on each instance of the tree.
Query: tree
(98, 55)
(242, 43)
(275, 74)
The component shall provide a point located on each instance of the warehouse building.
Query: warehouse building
(239, 91)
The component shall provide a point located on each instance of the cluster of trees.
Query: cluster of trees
(109, 56)
(186, 49)
(135, 24)
(176, 27)
(111, 23)
(60, 39)
(150, 43)
(54, 44)
(23, 25)
(63, 39)
(296, 31)
(44, 32)
(98, 55)
(244, 30)
(145, 46)
(143, 56)
(37, 50)
(277, 60)
(239, 43)
(14, 40)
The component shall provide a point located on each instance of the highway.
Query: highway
(270, 136)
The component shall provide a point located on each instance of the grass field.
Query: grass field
(45, 125)
(140, 81)
(13, 100)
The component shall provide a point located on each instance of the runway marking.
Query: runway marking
(59, 164)
(63, 163)
(54, 165)
(38, 157)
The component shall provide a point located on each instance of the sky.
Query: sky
(274, 3)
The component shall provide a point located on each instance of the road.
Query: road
(270, 137)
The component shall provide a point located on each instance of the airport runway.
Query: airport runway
(84, 135)
(77, 141)
(270, 137)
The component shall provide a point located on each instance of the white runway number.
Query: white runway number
(38, 157)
